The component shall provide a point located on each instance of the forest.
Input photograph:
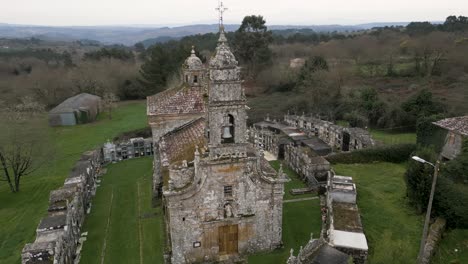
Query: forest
(381, 78)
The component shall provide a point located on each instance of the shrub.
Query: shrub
(418, 178)
(394, 153)
(428, 134)
(451, 202)
(451, 197)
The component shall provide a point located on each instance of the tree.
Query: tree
(453, 23)
(24, 143)
(419, 28)
(371, 105)
(109, 53)
(251, 43)
(156, 69)
(422, 104)
(109, 100)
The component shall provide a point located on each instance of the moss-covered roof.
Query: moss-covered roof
(180, 100)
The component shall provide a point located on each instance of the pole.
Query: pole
(428, 213)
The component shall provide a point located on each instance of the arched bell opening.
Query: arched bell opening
(227, 135)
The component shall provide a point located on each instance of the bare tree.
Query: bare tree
(24, 142)
(110, 99)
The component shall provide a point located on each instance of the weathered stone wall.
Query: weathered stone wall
(57, 236)
(359, 256)
(159, 127)
(128, 149)
(453, 145)
(337, 211)
(309, 168)
(332, 134)
(196, 214)
(181, 176)
(265, 139)
(435, 234)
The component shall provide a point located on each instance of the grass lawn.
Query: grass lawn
(453, 248)
(392, 228)
(122, 217)
(389, 138)
(299, 220)
(293, 184)
(20, 213)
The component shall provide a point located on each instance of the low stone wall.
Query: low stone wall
(58, 234)
(359, 255)
(311, 169)
(435, 234)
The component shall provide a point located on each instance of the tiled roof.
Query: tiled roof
(182, 100)
(180, 143)
(456, 124)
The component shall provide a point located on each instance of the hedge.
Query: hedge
(451, 202)
(451, 193)
(392, 153)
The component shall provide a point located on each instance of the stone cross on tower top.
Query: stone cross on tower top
(221, 9)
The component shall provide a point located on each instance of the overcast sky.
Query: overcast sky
(182, 12)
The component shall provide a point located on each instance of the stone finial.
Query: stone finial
(291, 252)
(193, 50)
(311, 236)
(197, 153)
(170, 185)
(222, 36)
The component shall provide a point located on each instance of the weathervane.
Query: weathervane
(221, 9)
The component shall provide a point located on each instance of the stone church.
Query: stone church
(221, 198)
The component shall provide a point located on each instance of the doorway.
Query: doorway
(346, 138)
(228, 239)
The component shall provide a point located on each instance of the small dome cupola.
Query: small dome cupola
(193, 70)
(193, 62)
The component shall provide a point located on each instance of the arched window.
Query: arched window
(195, 79)
(228, 133)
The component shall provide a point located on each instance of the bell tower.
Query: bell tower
(227, 103)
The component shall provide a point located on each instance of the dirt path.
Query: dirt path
(139, 223)
(103, 252)
(300, 199)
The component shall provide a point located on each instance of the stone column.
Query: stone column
(157, 176)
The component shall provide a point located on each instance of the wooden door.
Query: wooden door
(228, 239)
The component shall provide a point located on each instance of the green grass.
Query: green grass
(392, 228)
(390, 138)
(131, 224)
(299, 220)
(453, 248)
(295, 182)
(21, 212)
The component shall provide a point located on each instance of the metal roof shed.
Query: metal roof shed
(81, 108)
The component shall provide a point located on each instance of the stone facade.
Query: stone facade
(222, 199)
(338, 137)
(58, 234)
